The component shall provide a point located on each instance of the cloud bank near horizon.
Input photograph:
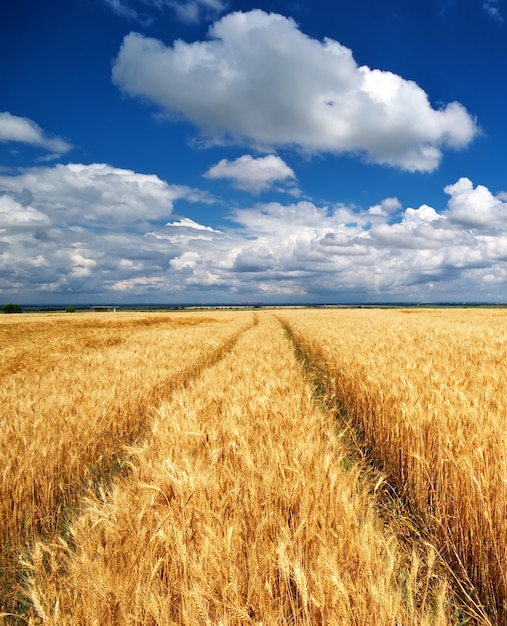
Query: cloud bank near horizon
(84, 231)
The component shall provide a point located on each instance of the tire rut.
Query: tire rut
(393, 504)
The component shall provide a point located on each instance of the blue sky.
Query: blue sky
(204, 151)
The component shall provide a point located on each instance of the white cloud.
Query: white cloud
(475, 208)
(13, 214)
(336, 252)
(186, 260)
(81, 266)
(259, 80)
(386, 207)
(24, 130)
(139, 284)
(99, 194)
(185, 222)
(83, 230)
(84, 225)
(185, 232)
(253, 174)
(419, 229)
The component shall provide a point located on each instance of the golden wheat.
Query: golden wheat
(241, 504)
(427, 393)
(241, 507)
(74, 390)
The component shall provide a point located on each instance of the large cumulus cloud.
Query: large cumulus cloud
(259, 80)
(476, 207)
(98, 194)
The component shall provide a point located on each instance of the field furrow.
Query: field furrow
(73, 392)
(424, 395)
(241, 507)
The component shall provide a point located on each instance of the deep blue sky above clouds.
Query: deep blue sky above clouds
(222, 151)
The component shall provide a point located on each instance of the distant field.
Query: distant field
(191, 468)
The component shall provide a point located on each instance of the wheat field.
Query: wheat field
(74, 391)
(424, 391)
(203, 468)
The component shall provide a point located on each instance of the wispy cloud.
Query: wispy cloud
(189, 11)
(491, 8)
(126, 10)
(193, 11)
(23, 130)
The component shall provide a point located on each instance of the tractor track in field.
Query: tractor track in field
(394, 502)
(98, 476)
